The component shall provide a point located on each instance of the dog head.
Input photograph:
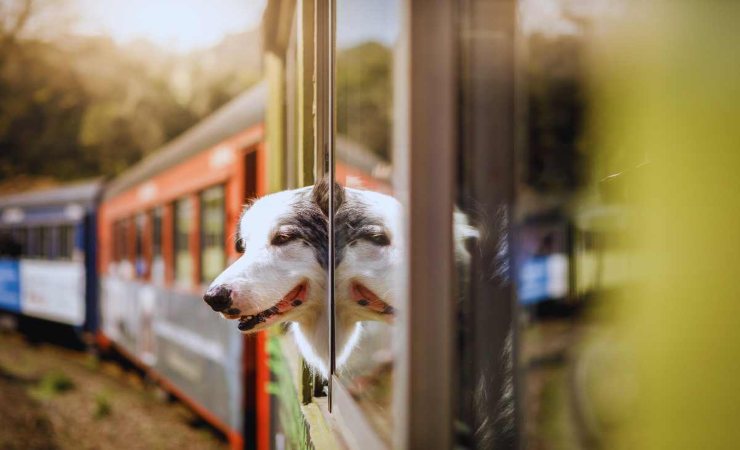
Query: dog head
(368, 257)
(281, 273)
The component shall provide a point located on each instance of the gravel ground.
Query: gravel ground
(55, 397)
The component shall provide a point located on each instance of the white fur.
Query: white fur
(266, 273)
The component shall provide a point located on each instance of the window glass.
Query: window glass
(212, 226)
(155, 220)
(21, 238)
(34, 242)
(46, 249)
(66, 241)
(10, 246)
(366, 36)
(141, 261)
(485, 409)
(183, 229)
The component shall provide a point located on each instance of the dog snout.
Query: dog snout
(218, 297)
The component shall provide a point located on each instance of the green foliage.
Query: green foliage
(365, 95)
(84, 106)
(103, 406)
(290, 415)
(52, 384)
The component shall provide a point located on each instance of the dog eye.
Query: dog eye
(282, 238)
(380, 239)
(239, 245)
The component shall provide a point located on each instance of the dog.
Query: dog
(281, 275)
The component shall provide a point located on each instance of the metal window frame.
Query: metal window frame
(325, 27)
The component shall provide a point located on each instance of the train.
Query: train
(124, 262)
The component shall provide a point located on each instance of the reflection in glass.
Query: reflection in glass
(367, 229)
(485, 407)
(155, 219)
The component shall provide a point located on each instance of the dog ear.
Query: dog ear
(320, 195)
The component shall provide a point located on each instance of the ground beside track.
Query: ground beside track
(55, 397)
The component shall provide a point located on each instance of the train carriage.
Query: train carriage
(48, 254)
(166, 229)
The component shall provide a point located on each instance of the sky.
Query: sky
(179, 25)
(367, 20)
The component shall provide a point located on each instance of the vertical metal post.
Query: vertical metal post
(325, 10)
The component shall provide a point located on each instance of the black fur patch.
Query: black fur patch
(311, 225)
(352, 222)
(320, 195)
(309, 221)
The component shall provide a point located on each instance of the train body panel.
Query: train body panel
(164, 226)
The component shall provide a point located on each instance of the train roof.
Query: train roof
(80, 192)
(63, 204)
(242, 112)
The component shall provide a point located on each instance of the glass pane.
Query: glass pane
(485, 410)
(366, 223)
(213, 222)
(183, 228)
(158, 271)
(33, 242)
(46, 249)
(141, 263)
(20, 236)
(66, 241)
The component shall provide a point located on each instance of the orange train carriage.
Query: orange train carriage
(165, 228)
(155, 237)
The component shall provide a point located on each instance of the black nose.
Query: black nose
(218, 298)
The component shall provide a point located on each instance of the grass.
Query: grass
(103, 406)
(53, 383)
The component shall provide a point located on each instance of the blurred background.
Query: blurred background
(624, 223)
(90, 87)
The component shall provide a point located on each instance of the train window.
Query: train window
(9, 244)
(366, 37)
(212, 228)
(33, 242)
(141, 262)
(66, 242)
(120, 241)
(157, 269)
(183, 226)
(46, 248)
(20, 235)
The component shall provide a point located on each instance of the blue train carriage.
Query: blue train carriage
(48, 250)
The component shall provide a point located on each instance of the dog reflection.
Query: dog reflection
(281, 274)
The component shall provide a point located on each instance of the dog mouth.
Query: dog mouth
(367, 299)
(294, 299)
